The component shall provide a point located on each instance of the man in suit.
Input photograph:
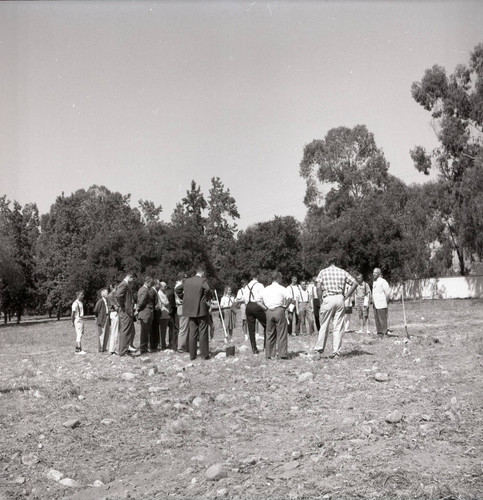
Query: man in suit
(101, 311)
(145, 313)
(197, 294)
(182, 322)
(126, 315)
(154, 336)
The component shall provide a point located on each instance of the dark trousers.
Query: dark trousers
(294, 321)
(316, 305)
(126, 332)
(163, 327)
(173, 328)
(254, 311)
(199, 328)
(380, 315)
(146, 324)
(154, 338)
(276, 330)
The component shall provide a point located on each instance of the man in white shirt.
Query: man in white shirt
(163, 303)
(275, 299)
(304, 309)
(78, 321)
(252, 297)
(380, 296)
(293, 317)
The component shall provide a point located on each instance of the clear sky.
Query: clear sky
(144, 96)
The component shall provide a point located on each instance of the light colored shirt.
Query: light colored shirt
(305, 295)
(275, 295)
(163, 303)
(252, 292)
(226, 301)
(294, 291)
(380, 293)
(78, 309)
(362, 294)
(178, 299)
(333, 280)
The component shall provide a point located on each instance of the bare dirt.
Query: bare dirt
(298, 428)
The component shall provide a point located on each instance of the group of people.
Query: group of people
(180, 318)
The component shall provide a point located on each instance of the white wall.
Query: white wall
(455, 287)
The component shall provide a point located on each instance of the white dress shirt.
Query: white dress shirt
(256, 292)
(275, 295)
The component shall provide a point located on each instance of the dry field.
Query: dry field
(300, 428)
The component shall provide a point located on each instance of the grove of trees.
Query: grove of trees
(356, 211)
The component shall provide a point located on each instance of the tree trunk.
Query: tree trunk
(58, 313)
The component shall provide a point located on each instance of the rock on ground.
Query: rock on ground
(394, 417)
(70, 483)
(72, 423)
(215, 472)
(55, 475)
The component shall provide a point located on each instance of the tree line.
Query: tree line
(356, 211)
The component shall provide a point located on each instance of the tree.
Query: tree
(88, 240)
(268, 246)
(220, 228)
(190, 210)
(349, 161)
(18, 232)
(456, 106)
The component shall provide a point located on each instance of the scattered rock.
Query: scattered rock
(20, 480)
(296, 455)
(222, 492)
(144, 359)
(70, 483)
(417, 360)
(98, 483)
(381, 377)
(55, 475)
(426, 428)
(152, 371)
(243, 348)
(128, 376)
(180, 375)
(406, 352)
(80, 397)
(250, 461)
(394, 417)
(220, 355)
(348, 421)
(197, 402)
(222, 398)
(425, 417)
(366, 430)
(215, 472)
(72, 423)
(30, 459)
(306, 377)
(106, 421)
(158, 389)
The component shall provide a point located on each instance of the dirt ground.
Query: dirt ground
(297, 428)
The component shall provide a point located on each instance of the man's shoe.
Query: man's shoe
(334, 355)
(134, 353)
(255, 351)
(131, 349)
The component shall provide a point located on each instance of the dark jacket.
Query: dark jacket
(145, 303)
(124, 297)
(197, 294)
(101, 313)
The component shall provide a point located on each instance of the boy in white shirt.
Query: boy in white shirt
(78, 321)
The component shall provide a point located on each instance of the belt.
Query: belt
(304, 302)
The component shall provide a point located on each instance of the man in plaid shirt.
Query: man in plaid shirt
(331, 285)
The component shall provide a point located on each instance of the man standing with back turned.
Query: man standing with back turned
(197, 294)
(126, 314)
(331, 284)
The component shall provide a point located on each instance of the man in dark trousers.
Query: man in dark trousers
(154, 334)
(126, 315)
(101, 311)
(145, 313)
(197, 294)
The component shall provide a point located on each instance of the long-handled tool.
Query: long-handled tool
(404, 313)
(221, 316)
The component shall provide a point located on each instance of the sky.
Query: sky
(142, 97)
